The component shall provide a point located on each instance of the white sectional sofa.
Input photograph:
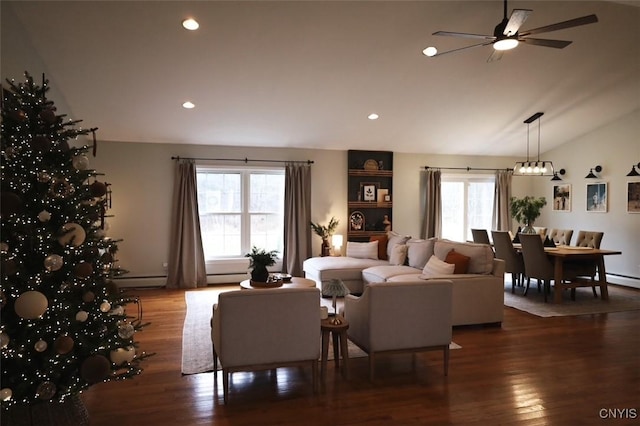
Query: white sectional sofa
(477, 276)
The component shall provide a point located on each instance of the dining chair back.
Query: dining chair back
(536, 263)
(541, 231)
(588, 268)
(480, 236)
(504, 250)
(561, 236)
(589, 239)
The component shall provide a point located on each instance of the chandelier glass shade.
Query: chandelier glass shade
(533, 167)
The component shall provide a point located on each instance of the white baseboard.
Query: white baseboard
(161, 281)
(626, 281)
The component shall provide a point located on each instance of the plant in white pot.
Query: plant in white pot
(259, 259)
(526, 210)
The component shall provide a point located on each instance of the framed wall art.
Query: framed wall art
(369, 191)
(562, 197)
(596, 197)
(633, 197)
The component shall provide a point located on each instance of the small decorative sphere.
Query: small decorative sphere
(5, 394)
(105, 306)
(80, 162)
(9, 267)
(44, 216)
(4, 340)
(45, 390)
(48, 116)
(98, 189)
(112, 288)
(83, 269)
(72, 234)
(63, 345)
(40, 143)
(10, 203)
(95, 368)
(88, 297)
(18, 115)
(126, 330)
(106, 257)
(40, 346)
(31, 304)
(123, 355)
(53, 262)
(82, 316)
(118, 310)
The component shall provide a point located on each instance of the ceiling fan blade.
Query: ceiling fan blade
(462, 48)
(558, 44)
(496, 55)
(465, 35)
(589, 19)
(518, 16)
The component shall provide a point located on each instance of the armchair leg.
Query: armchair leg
(526, 289)
(225, 384)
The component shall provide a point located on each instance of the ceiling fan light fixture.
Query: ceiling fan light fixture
(505, 44)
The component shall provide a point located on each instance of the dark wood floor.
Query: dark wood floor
(530, 371)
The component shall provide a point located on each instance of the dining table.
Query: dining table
(562, 254)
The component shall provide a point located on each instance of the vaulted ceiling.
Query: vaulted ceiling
(308, 73)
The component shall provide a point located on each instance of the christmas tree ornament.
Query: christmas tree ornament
(4, 340)
(10, 152)
(44, 216)
(44, 177)
(63, 345)
(123, 355)
(88, 297)
(95, 368)
(48, 116)
(126, 330)
(61, 188)
(105, 307)
(53, 262)
(40, 143)
(10, 203)
(98, 189)
(18, 115)
(106, 257)
(9, 267)
(72, 234)
(83, 270)
(82, 316)
(5, 394)
(80, 162)
(31, 304)
(40, 346)
(45, 390)
(118, 310)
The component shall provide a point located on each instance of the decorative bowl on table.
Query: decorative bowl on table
(283, 277)
(271, 283)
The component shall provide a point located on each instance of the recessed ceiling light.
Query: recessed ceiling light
(430, 51)
(190, 24)
(373, 116)
(188, 105)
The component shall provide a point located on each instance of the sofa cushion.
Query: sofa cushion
(419, 252)
(481, 255)
(398, 254)
(362, 250)
(394, 238)
(460, 261)
(379, 274)
(338, 267)
(437, 267)
(382, 245)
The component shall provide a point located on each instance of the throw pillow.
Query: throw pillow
(398, 254)
(362, 250)
(459, 260)
(382, 245)
(436, 267)
(394, 238)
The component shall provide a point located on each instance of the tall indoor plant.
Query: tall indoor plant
(526, 210)
(259, 259)
(325, 232)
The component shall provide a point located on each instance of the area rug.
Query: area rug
(620, 299)
(197, 352)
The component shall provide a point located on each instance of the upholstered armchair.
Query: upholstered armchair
(264, 329)
(396, 317)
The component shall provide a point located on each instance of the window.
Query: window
(467, 202)
(240, 208)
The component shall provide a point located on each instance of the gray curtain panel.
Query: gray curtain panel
(186, 256)
(502, 201)
(431, 203)
(297, 217)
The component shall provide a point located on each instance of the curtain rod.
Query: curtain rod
(244, 160)
(467, 168)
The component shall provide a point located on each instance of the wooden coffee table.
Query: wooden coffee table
(296, 282)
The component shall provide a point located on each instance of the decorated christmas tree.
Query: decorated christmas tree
(64, 324)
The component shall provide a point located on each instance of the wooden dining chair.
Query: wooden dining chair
(514, 263)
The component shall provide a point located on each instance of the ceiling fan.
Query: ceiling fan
(506, 36)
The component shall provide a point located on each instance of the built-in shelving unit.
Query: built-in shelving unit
(370, 180)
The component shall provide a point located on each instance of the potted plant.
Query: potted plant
(259, 259)
(526, 210)
(325, 232)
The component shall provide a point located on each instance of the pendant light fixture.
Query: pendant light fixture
(537, 167)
